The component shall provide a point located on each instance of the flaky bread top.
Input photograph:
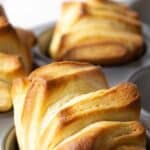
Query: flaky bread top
(49, 110)
(69, 79)
(11, 67)
(101, 32)
(11, 43)
(107, 136)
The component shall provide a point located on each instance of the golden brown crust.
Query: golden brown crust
(27, 37)
(93, 107)
(63, 99)
(131, 147)
(64, 68)
(70, 79)
(11, 43)
(15, 58)
(107, 135)
(5, 96)
(11, 67)
(97, 32)
(114, 52)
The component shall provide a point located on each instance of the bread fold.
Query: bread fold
(11, 67)
(15, 40)
(15, 57)
(100, 32)
(67, 105)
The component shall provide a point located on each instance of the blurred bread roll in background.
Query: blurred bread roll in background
(10, 68)
(97, 31)
(15, 57)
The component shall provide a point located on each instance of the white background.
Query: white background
(30, 13)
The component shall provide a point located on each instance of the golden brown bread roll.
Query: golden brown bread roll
(66, 106)
(15, 57)
(11, 43)
(10, 67)
(27, 37)
(97, 31)
(107, 136)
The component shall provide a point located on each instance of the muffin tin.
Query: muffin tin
(10, 142)
(137, 71)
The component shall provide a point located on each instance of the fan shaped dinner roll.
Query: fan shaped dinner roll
(12, 43)
(67, 106)
(15, 57)
(10, 67)
(97, 31)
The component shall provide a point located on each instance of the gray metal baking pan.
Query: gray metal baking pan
(137, 71)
